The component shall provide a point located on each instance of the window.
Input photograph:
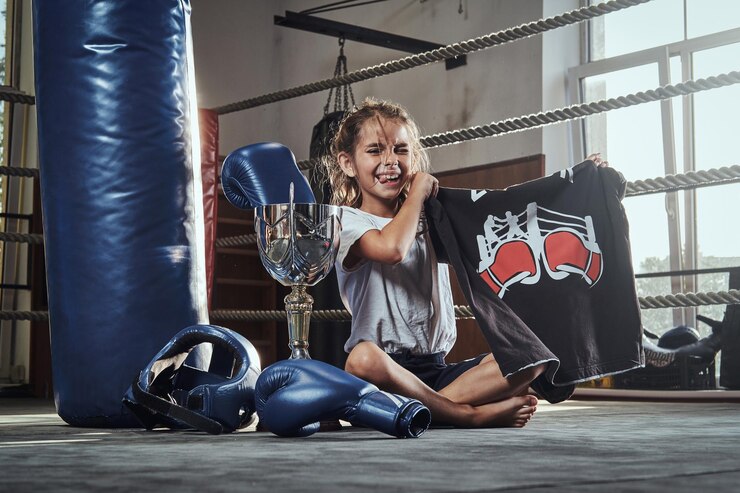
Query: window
(3, 112)
(644, 47)
(11, 361)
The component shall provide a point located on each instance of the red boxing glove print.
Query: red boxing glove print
(518, 247)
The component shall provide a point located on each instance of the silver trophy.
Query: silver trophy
(298, 244)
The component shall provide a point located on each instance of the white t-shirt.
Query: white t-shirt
(398, 307)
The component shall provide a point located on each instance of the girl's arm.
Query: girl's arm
(391, 244)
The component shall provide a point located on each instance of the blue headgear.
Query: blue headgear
(679, 336)
(220, 399)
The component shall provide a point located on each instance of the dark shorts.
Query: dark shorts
(432, 369)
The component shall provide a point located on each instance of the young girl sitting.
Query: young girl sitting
(403, 320)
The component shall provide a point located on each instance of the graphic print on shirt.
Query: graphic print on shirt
(518, 247)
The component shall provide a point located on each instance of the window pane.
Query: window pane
(717, 223)
(655, 320)
(711, 16)
(644, 26)
(632, 140)
(715, 111)
(3, 41)
(5, 339)
(3, 108)
(3, 22)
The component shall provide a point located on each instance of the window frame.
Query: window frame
(661, 55)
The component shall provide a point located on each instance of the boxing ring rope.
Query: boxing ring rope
(669, 183)
(731, 297)
(568, 113)
(16, 171)
(684, 181)
(436, 55)
(37, 316)
(580, 110)
(13, 95)
(31, 238)
(236, 241)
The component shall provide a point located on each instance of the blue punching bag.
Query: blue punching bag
(121, 193)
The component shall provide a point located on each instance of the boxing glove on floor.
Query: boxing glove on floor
(261, 174)
(293, 396)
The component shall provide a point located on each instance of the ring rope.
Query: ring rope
(680, 181)
(32, 238)
(668, 183)
(233, 241)
(572, 112)
(688, 272)
(15, 171)
(36, 316)
(580, 110)
(461, 312)
(690, 179)
(436, 55)
(731, 297)
(15, 96)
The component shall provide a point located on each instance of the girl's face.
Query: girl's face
(380, 163)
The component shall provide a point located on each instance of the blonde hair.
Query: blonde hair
(345, 189)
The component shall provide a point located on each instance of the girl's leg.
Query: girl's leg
(485, 383)
(372, 364)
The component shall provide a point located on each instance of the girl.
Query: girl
(403, 321)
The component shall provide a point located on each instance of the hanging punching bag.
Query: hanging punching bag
(121, 193)
(326, 338)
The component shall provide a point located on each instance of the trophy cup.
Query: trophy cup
(297, 245)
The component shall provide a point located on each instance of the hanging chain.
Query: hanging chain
(348, 94)
(341, 99)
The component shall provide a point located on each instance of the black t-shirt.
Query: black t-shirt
(546, 269)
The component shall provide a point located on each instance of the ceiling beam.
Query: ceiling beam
(363, 35)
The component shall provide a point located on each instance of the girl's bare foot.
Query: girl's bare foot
(512, 412)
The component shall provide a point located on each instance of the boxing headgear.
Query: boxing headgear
(679, 336)
(220, 399)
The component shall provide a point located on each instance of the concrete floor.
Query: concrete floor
(576, 446)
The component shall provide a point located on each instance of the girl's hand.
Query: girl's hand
(596, 158)
(423, 185)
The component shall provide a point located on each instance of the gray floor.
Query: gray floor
(576, 446)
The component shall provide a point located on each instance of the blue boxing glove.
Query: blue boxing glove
(261, 174)
(293, 396)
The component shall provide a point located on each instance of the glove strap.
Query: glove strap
(164, 407)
